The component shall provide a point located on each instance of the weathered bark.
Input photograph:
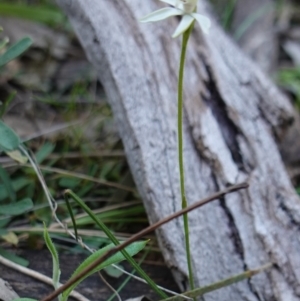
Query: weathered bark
(232, 113)
(6, 291)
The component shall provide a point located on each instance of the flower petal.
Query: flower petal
(203, 21)
(171, 2)
(184, 24)
(161, 14)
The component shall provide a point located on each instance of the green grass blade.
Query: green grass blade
(55, 259)
(42, 14)
(112, 214)
(251, 19)
(7, 184)
(131, 251)
(6, 103)
(15, 50)
(223, 283)
(69, 193)
(228, 14)
(72, 215)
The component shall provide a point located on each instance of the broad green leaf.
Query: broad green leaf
(7, 184)
(9, 140)
(46, 149)
(132, 249)
(55, 259)
(14, 258)
(15, 50)
(16, 208)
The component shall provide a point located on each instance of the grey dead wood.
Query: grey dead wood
(233, 113)
(6, 291)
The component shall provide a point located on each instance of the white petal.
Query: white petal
(203, 21)
(161, 14)
(171, 2)
(184, 24)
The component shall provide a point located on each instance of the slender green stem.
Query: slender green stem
(185, 39)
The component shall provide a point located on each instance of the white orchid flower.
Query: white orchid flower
(184, 8)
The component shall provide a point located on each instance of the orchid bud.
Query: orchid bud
(189, 5)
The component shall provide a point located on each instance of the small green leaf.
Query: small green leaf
(132, 249)
(9, 139)
(46, 149)
(16, 208)
(67, 182)
(55, 259)
(14, 258)
(17, 184)
(7, 184)
(15, 50)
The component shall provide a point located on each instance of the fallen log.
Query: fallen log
(233, 116)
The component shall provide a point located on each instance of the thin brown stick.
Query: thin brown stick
(142, 233)
(38, 276)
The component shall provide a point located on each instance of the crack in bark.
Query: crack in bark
(227, 127)
(288, 212)
(237, 242)
(235, 238)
